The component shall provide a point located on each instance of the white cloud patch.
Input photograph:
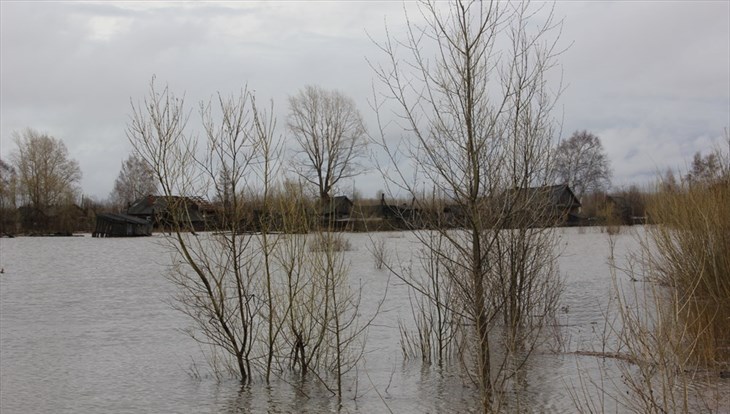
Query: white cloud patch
(104, 28)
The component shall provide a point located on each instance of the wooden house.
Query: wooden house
(552, 205)
(162, 211)
(335, 212)
(384, 216)
(543, 206)
(336, 208)
(121, 225)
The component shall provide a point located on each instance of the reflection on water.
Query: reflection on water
(85, 327)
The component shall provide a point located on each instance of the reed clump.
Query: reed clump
(674, 334)
(671, 338)
(692, 258)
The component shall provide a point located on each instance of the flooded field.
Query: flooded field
(86, 325)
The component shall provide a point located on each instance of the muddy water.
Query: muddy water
(86, 326)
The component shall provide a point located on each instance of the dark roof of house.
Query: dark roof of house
(147, 206)
(337, 205)
(341, 200)
(121, 218)
(151, 205)
(559, 195)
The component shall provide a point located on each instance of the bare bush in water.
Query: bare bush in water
(264, 302)
(380, 255)
(440, 330)
(477, 116)
(323, 333)
(216, 275)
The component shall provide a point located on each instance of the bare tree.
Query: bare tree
(217, 275)
(669, 182)
(136, 179)
(705, 170)
(8, 180)
(582, 163)
(250, 294)
(478, 112)
(330, 135)
(47, 176)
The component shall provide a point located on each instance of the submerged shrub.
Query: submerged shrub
(330, 242)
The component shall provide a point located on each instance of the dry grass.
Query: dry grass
(673, 333)
(693, 259)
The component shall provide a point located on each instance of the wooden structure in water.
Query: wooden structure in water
(162, 211)
(121, 225)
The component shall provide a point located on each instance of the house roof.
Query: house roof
(151, 205)
(341, 200)
(562, 195)
(147, 205)
(559, 195)
(336, 205)
(121, 218)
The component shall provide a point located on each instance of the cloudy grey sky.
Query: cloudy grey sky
(650, 78)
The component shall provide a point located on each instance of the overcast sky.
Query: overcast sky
(651, 78)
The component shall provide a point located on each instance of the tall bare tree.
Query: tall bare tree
(47, 176)
(8, 180)
(471, 88)
(136, 179)
(330, 134)
(582, 163)
(706, 170)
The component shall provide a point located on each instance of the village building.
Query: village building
(544, 206)
(163, 211)
(553, 205)
(385, 216)
(121, 225)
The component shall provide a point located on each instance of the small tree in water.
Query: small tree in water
(478, 114)
(217, 274)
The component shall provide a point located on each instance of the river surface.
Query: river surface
(86, 326)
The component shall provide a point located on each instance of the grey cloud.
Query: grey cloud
(650, 78)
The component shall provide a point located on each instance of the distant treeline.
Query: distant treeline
(627, 207)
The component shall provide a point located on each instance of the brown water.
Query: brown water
(85, 326)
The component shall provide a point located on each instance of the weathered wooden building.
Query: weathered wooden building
(163, 211)
(552, 205)
(336, 208)
(121, 225)
(384, 216)
(544, 206)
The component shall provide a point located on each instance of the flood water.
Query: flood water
(86, 326)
